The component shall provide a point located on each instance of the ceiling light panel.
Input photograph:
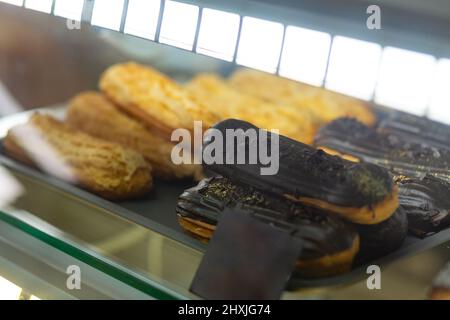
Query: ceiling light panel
(305, 55)
(108, 14)
(142, 18)
(218, 34)
(260, 44)
(179, 24)
(353, 67)
(405, 80)
(72, 9)
(39, 5)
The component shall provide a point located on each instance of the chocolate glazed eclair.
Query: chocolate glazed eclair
(417, 129)
(427, 203)
(354, 141)
(359, 192)
(330, 244)
(380, 239)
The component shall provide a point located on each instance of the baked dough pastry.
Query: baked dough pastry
(329, 244)
(416, 129)
(353, 140)
(228, 103)
(93, 113)
(101, 167)
(427, 203)
(153, 98)
(383, 238)
(362, 193)
(324, 104)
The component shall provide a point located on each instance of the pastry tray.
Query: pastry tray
(157, 212)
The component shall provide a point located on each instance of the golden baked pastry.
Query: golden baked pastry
(94, 114)
(219, 97)
(324, 104)
(101, 167)
(153, 98)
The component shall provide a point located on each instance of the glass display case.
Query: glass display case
(59, 241)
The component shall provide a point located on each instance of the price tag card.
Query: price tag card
(246, 260)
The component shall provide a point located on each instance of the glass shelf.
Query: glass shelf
(77, 232)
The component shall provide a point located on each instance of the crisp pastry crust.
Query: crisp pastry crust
(153, 98)
(99, 166)
(324, 104)
(93, 113)
(228, 102)
(370, 214)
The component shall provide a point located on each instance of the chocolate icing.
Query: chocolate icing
(321, 234)
(418, 129)
(380, 239)
(391, 151)
(427, 203)
(308, 172)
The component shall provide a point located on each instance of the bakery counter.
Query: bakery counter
(154, 265)
(58, 231)
(120, 259)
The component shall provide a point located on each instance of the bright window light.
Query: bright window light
(353, 67)
(405, 80)
(72, 9)
(108, 14)
(260, 44)
(8, 290)
(305, 55)
(14, 2)
(439, 109)
(142, 18)
(179, 24)
(39, 5)
(218, 34)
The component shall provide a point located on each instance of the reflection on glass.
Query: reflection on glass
(11, 189)
(8, 105)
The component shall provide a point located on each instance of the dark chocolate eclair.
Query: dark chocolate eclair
(329, 243)
(418, 129)
(427, 203)
(360, 192)
(355, 141)
(383, 238)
